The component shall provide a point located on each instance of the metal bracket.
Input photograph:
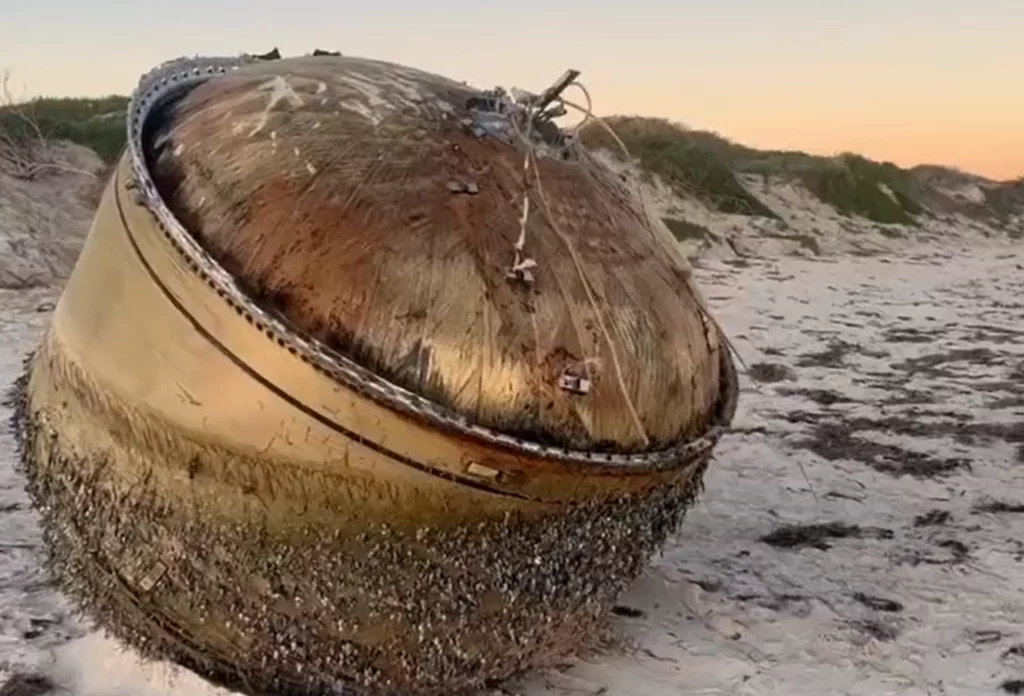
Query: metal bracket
(555, 90)
(577, 384)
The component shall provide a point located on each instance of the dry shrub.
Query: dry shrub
(25, 150)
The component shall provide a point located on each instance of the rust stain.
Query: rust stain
(374, 255)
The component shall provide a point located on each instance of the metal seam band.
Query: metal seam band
(280, 393)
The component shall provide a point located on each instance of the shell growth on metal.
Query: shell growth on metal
(365, 379)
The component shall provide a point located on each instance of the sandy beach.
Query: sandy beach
(862, 529)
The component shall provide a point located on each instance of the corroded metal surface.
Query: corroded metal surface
(323, 186)
(223, 486)
(381, 608)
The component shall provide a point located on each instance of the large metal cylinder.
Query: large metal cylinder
(319, 406)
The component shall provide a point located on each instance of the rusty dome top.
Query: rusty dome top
(379, 210)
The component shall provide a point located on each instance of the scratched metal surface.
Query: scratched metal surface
(324, 185)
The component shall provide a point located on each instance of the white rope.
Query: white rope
(522, 264)
(649, 217)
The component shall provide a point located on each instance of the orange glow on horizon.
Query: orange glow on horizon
(909, 82)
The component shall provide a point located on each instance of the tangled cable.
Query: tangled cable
(522, 264)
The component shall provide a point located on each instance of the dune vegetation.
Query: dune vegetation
(696, 165)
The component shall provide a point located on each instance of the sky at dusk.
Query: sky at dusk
(909, 81)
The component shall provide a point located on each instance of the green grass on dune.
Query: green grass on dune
(98, 124)
(855, 185)
(688, 165)
(705, 165)
(694, 163)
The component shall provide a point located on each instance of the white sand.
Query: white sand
(43, 221)
(769, 620)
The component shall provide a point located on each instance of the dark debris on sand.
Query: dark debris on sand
(1000, 506)
(822, 397)
(834, 436)
(818, 535)
(628, 612)
(771, 372)
(911, 335)
(834, 356)
(878, 603)
(956, 553)
(1013, 686)
(1014, 651)
(27, 684)
(933, 518)
(879, 630)
(940, 364)
(834, 441)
